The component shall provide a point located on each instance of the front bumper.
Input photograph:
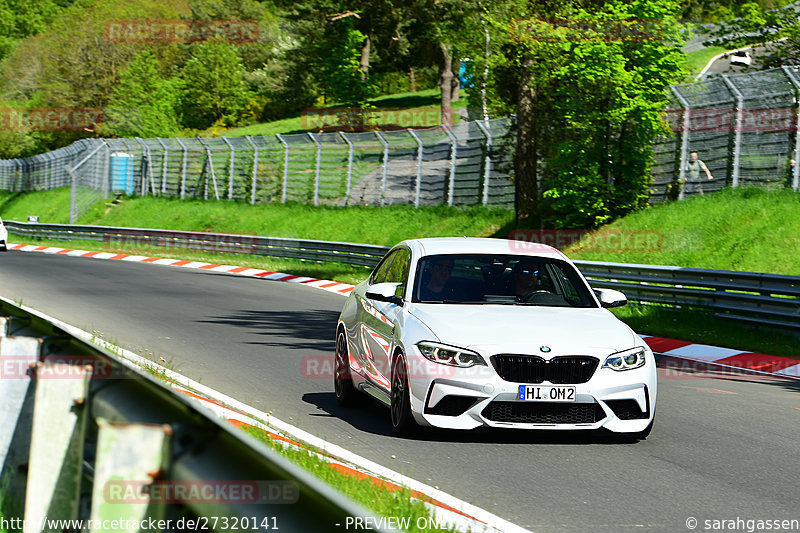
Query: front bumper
(455, 398)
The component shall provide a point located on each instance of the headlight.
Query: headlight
(626, 360)
(449, 355)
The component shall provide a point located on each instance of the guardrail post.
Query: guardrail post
(316, 171)
(796, 169)
(737, 142)
(128, 461)
(163, 166)
(419, 167)
(16, 415)
(230, 167)
(56, 459)
(349, 166)
(453, 156)
(385, 144)
(255, 170)
(285, 167)
(183, 167)
(487, 167)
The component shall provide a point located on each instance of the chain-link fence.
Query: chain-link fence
(744, 127)
(465, 164)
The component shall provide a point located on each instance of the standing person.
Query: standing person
(693, 168)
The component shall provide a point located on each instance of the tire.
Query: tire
(342, 379)
(403, 422)
(3, 246)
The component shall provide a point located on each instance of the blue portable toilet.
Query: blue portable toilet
(122, 172)
(464, 77)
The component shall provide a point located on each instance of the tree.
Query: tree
(589, 91)
(145, 104)
(214, 86)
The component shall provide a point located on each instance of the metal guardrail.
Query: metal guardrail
(85, 437)
(305, 249)
(745, 296)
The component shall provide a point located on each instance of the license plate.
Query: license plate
(530, 393)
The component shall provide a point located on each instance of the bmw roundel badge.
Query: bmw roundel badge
(545, 349)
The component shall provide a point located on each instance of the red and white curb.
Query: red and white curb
(324, 284)
(759, 363)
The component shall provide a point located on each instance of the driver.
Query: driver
(526, 279)
(437, 287)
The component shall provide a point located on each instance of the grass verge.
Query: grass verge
(696, 61)
(374, 496)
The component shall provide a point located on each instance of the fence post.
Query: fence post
(684, 140)
(487, 167)
(285, 167)
(230, 168)
(419, 166)
(149, 161)
(737, 139)
(453, 155)
(255, 170)
(163, 166)
(316, 170)
(106, 173)
(385, 144)
(349, 166)
(211, 168)
(183, 167)
(796, 169)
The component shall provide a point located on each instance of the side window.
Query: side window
(379, 276)
(398, 271)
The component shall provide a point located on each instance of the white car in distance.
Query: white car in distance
(741, 57)
(462, 333)
(3, 237)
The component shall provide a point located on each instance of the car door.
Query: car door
(379, 320)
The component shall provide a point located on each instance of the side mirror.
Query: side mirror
(384, 292)
(610, 298)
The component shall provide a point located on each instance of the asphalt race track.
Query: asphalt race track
(723, 448)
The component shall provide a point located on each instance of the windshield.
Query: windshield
(499, 279)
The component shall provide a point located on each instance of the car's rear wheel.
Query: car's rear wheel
(342, 379)
(402, 420)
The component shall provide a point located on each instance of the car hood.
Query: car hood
(525, 329)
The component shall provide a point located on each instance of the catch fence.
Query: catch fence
(744, 127)
(462, 165)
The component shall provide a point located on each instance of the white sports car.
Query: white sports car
(465, 332)
(3, 237)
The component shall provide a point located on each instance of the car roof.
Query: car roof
(466, 245)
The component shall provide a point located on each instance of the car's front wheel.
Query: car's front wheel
(342, 379)
(402, 420)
